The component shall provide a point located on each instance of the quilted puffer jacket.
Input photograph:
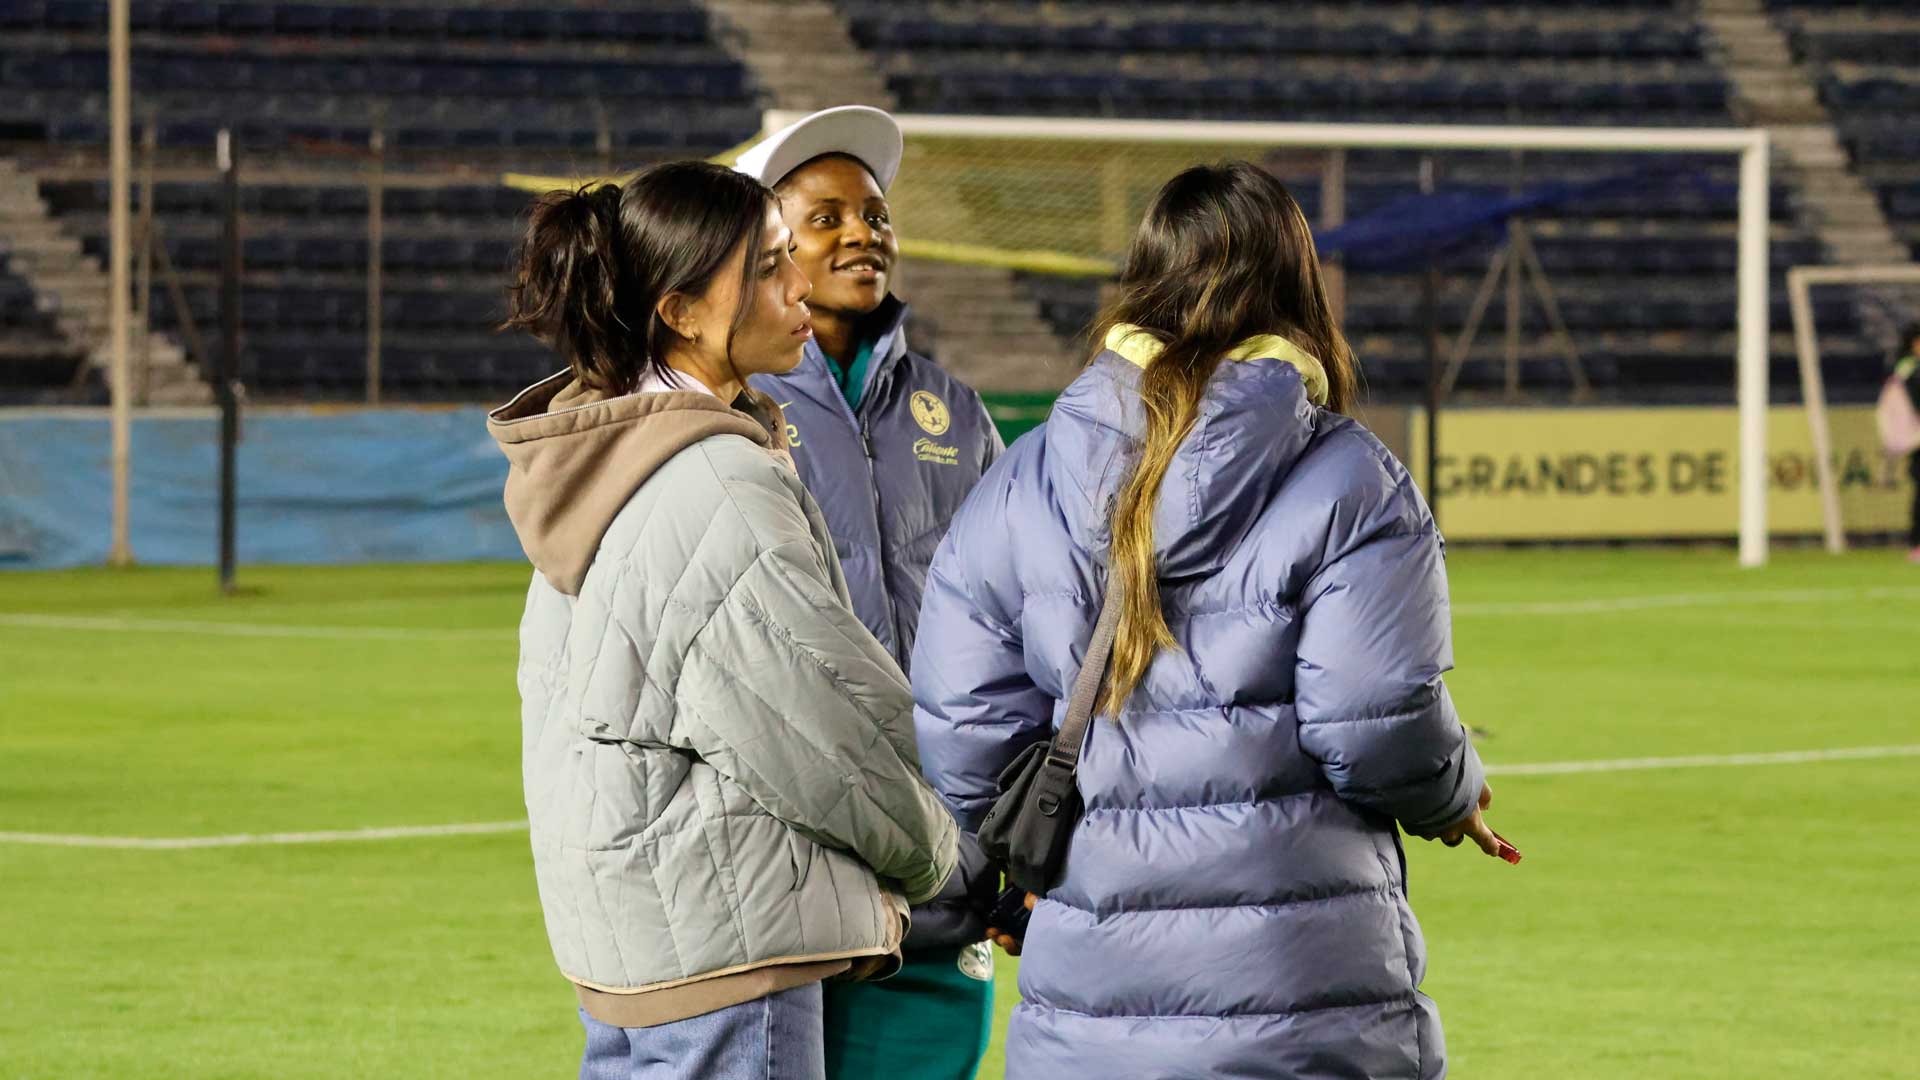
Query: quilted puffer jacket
(1234, 900)
(718, 757)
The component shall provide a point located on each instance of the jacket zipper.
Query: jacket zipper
(880, 529)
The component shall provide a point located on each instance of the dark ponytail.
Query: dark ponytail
(596, 261)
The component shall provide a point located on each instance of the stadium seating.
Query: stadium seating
(1439, 63)
(477, 86)
(33, 355)
(1863, 57)
(1644, 277)
(444, 254)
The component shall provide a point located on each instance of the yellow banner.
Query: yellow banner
(1553, 474)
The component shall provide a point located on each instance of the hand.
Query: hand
(1474, 827)
(1007, 941)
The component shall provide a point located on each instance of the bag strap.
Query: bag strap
(1065, 751)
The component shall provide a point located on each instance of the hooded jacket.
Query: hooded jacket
(889, 474)
(720, 776)
(1233, 902)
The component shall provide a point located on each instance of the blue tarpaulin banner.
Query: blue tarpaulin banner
(1405, 233)
(386, 485)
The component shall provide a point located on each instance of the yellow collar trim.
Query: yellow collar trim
(1140, 349)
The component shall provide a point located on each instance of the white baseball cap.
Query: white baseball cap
(859, 131)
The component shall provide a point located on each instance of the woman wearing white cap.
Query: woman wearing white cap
(890, 445)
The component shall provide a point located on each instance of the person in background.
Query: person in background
(890, 444)
(725, 803)
(1234, 898)
(1906, 371)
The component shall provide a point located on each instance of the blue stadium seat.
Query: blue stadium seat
(356, 21)
(23, 15)
(246, 18)
(76, 15)
(417, 22)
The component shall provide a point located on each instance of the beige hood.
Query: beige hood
(576, 456)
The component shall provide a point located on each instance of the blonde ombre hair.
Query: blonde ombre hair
(1224, 254)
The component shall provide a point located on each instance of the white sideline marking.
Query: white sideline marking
(1703, 761)
(1547, 768)
(28, 621)
(236, 629)
(174, 843)
(1677, 600)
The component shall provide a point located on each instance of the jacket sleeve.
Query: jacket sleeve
(787, 694)
(991, 444)
(1373, 711)
(958, 916)
(975, 706)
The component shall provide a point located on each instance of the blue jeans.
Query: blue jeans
(777, 1037)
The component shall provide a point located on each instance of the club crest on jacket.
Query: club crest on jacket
(930, 412)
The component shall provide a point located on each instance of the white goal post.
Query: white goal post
(1806, 343)
(1750, 145)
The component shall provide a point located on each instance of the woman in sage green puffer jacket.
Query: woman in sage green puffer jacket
(721, 780)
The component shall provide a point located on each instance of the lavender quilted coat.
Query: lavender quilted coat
(1234, 903)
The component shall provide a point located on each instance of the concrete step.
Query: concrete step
(1874, 253)
(195, 392)
(1815, 157)
(1846, 196)
(1847, 217)
(28, 215)
(761, 25)
(802, 53)
(1803, 135)
(35, 265)
(1011, 375)
(1848, 211)
(795, 59)
(1776, 114)
(1039, 345)
(161, 355)
(1738, 24)
(82, 326)
(1763, 59)
(45, 247)
(1001, 352)
(59, 262)
(165, 363)
(1857, 237)
(1782, 92)
(71, 288)
(1812, 159)
(58, 255)
(774, 11)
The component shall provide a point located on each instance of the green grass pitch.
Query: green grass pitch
(1747, 921)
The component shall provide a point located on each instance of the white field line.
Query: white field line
(1684, 600)
(1548, 768)
(106, 624)
(238, 629)
(175, 843)
(1703, 761)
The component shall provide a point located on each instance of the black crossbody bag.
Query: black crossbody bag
(1028, 829)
